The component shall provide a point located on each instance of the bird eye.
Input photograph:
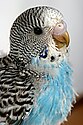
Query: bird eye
(38, 30)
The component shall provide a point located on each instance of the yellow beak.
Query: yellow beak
(62, 40)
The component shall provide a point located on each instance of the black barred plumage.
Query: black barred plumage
(16, 89)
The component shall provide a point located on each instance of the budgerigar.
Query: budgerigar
(35, 77)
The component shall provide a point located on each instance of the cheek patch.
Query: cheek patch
(44, 53)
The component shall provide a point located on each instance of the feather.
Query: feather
(54, 101)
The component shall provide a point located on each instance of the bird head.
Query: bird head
(39, 32)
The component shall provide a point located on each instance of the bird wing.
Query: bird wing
(16, 91)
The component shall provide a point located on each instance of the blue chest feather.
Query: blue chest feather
(55, 100)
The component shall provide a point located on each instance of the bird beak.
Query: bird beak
(61, 40)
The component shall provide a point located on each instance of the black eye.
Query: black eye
(38, 30)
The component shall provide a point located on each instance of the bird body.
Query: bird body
(35, 77)
(54, 102)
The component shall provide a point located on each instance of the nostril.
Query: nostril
(52, 58)
(60, 28)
